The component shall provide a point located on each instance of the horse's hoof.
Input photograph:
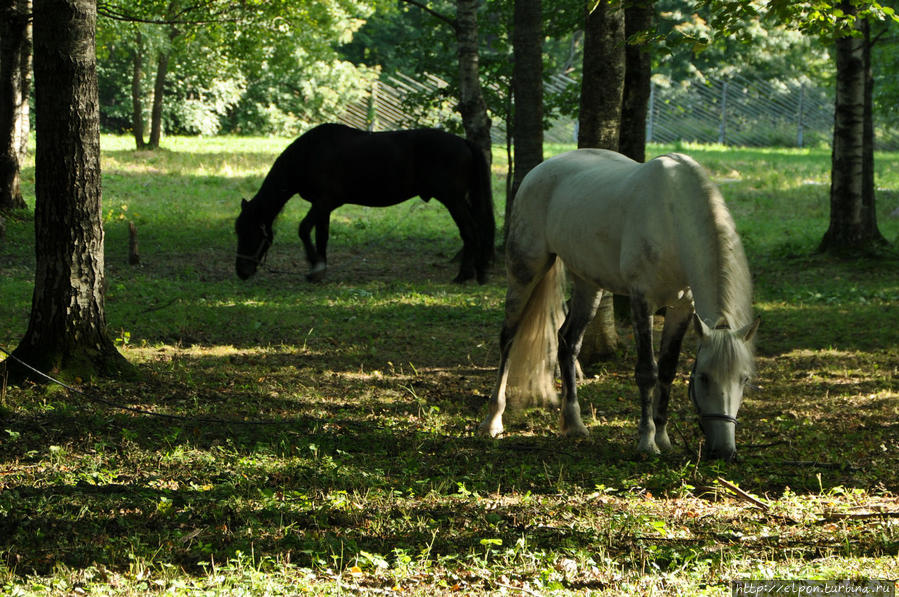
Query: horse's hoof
(576, 432)
(571, 424)
(648, 447)
(662, 441)
(488, 429)
(317, 273)
(465, 274)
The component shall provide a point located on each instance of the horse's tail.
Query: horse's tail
(533, 356)
(481, 202)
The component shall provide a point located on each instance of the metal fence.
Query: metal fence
(736, 111)
(391, 104)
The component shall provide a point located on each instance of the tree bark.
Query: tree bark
(853, 226)
(137, 105)
(869, 210)
(67, 328)
(162, 68)
(25, 69)
(14, 16)
(527, 89)
(598, 126)
(638, 17)
(602, 87)
(472, 106)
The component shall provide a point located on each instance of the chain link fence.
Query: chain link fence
(737, 111)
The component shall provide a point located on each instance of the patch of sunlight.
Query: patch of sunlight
(220, 350)
(111, 165)
(805, 353)
(779, 306)
(363, 375)
(229, 172)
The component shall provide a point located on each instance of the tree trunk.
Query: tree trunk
(137, 105)
(162, 68)
(638, 17)
(13, 47)
(853, 226)
(527, 88)
(603, 80)
(599, 121)
(869, 211)
(67, 328)
(472, 106)
(24, 127)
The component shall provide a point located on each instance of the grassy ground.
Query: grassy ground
(368, 478)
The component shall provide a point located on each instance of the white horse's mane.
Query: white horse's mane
(733, 287)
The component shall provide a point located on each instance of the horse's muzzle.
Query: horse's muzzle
(720, 437)
(727, 455)
(245, 268)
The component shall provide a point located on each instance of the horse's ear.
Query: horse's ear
(748, 331)
(702, 330)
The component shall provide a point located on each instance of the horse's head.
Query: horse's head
(724, 365)
(254, 237)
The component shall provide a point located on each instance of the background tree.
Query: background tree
(527, 89)
(602, 89)
(137, 105)
(67, 327)
(853, 223)
(472, 106)
(638, 21)
(460, 62)
(853, 218)
(253, 66)
(15, 54)
(602, 84)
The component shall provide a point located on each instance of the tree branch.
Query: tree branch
(743, 495)
(110, 11)
(439, 16)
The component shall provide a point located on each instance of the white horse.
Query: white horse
(658, 232)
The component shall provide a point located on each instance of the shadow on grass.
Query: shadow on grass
(377, 460)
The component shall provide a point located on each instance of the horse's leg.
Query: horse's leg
(646, 371)
(492, 425)
(677, 320)
(322, 226)
(458, 209)
(582, 308)
(305, 235)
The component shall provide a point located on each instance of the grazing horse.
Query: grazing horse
(657, 232)
(332, 165)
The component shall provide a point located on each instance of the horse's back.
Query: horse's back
(340, 164)
(604, 214)
(381, 168)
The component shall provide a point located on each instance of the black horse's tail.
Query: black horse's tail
(481, 201)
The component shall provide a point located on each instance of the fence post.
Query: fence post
(650, 113)
(799, 124)
(722, 129)
(371, 115)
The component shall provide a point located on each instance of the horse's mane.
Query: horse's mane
(727, 353)
(717, 230)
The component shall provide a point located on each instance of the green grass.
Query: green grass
(369, 478)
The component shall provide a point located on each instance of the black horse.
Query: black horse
(333, 164)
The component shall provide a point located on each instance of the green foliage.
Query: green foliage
(252, 67)
(276, 68)
(369, 478)
(699, 39)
